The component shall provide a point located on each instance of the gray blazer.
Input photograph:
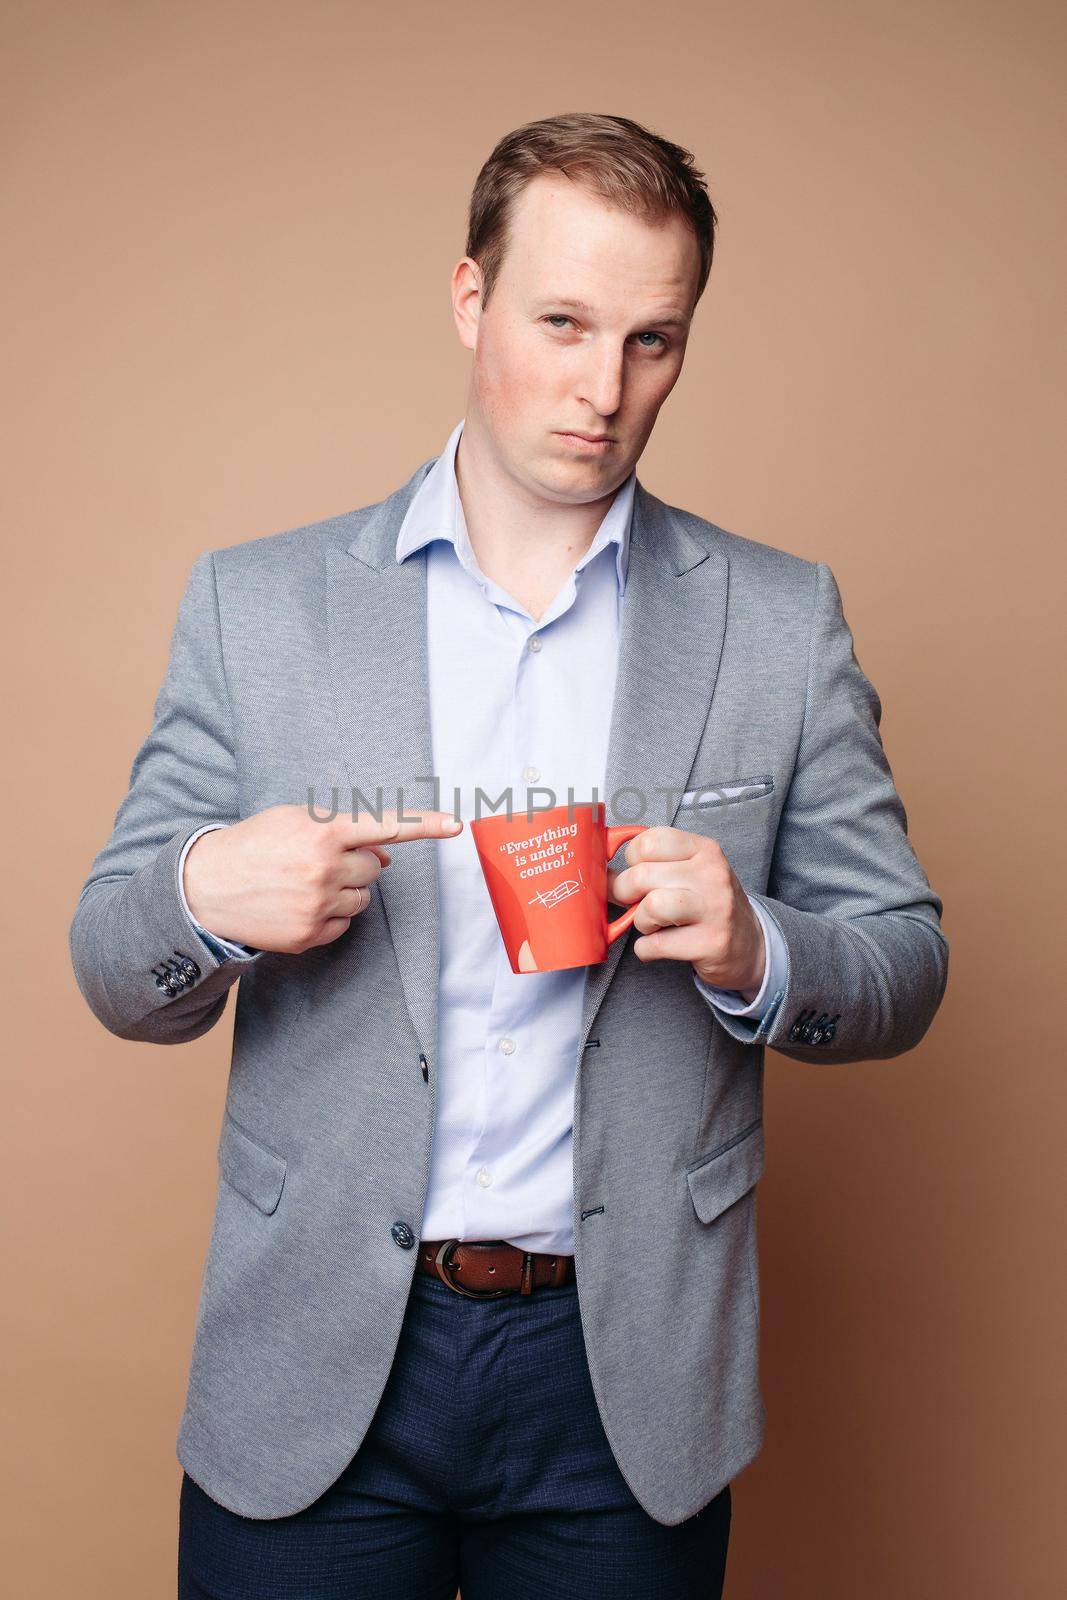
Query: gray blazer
(299, 660)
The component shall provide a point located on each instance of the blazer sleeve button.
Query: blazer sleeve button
(188, 965)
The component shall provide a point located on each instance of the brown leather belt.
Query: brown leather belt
(485, 1269)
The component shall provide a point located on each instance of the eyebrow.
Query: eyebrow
(672, 319)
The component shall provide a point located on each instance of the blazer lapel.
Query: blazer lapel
(670, 642)
(377, 628)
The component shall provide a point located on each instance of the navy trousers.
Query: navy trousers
(485, 1469)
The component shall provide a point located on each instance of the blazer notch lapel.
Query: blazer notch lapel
(376, 610)
(670, 646)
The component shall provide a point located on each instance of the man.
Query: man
(480, 1306)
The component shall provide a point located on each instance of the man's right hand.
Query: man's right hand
(282, 881)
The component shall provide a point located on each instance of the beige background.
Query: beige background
(228, 231)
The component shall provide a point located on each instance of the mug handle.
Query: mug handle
(615, 837)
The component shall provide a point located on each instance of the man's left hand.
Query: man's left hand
(692, 908)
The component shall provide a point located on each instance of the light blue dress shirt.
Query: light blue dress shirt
(526, 705)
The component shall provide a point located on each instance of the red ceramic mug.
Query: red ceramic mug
(548, 881)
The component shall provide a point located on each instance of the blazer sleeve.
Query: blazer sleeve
(868, 962)
(143, 967)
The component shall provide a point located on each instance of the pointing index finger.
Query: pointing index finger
(365, 828)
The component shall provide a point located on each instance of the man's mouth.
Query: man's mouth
(589, 443)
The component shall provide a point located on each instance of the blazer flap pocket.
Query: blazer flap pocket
(722, 1176)
(249, 1167)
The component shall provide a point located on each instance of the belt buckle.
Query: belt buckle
(443, 1264)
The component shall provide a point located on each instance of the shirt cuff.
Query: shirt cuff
(776, 968)
(224, 949)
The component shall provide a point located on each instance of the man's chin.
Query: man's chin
(578, 481)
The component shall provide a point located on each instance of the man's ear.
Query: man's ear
(467, 300)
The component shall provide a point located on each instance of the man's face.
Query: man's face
(585, 330)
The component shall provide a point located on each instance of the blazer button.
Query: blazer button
(798, 1033)
(829, 1030)
(402, 1235)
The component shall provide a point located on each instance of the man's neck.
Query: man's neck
(527, 545)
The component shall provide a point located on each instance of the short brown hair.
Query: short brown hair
(626, 164)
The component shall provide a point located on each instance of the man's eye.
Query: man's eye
(558, 316)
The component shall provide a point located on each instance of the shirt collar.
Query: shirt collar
(436, 512)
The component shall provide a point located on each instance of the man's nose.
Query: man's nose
(603, 382)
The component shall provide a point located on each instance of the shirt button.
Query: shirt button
(506, 1047)
(534, 643)
(483, 1177)
(531, 774)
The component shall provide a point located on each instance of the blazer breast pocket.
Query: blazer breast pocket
(726, 792)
